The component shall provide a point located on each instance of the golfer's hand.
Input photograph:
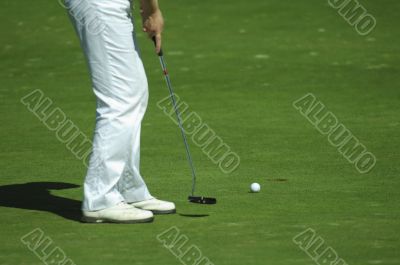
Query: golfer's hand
(153, 24)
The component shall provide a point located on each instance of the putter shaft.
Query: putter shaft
(178, 116)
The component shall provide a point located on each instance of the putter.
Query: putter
(192, 197)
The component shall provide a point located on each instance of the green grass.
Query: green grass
(247, 101)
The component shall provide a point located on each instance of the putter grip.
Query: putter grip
(155, 44)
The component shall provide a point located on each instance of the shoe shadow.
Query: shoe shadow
(37, 196)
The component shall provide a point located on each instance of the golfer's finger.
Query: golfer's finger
(147, 25)
(158, 42)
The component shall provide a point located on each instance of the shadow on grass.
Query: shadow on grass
(194, 215)
(36, 196)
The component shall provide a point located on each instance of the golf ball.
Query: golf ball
(255, 187)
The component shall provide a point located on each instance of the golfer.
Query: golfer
(114, 190)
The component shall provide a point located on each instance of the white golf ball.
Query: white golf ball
(255, 187)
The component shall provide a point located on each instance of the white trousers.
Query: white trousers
(106, 33)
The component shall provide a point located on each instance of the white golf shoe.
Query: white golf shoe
(120, 213)
(156, 206)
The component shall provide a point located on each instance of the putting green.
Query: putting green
(240, 66)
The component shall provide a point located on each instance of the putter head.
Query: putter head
(202, 200)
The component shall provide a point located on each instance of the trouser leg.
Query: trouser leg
(120, 85)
